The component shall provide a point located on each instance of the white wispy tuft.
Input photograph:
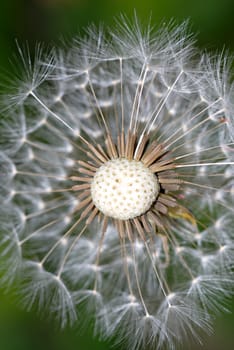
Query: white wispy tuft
(156, 280)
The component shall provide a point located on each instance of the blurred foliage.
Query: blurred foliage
(22, 330)
(47, 21)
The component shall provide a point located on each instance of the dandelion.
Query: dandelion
(117, 185)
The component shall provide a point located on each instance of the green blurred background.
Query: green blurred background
(47, 21)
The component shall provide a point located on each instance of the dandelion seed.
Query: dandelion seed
(116, 185)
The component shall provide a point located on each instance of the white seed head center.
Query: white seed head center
(123, 189)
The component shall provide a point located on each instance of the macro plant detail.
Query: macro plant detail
(116, 185)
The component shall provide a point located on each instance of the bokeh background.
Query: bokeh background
(46, 21)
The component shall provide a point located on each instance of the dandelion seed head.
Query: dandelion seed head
(116, 169)
(124, 189)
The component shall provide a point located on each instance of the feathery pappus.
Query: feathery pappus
(116, 184)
